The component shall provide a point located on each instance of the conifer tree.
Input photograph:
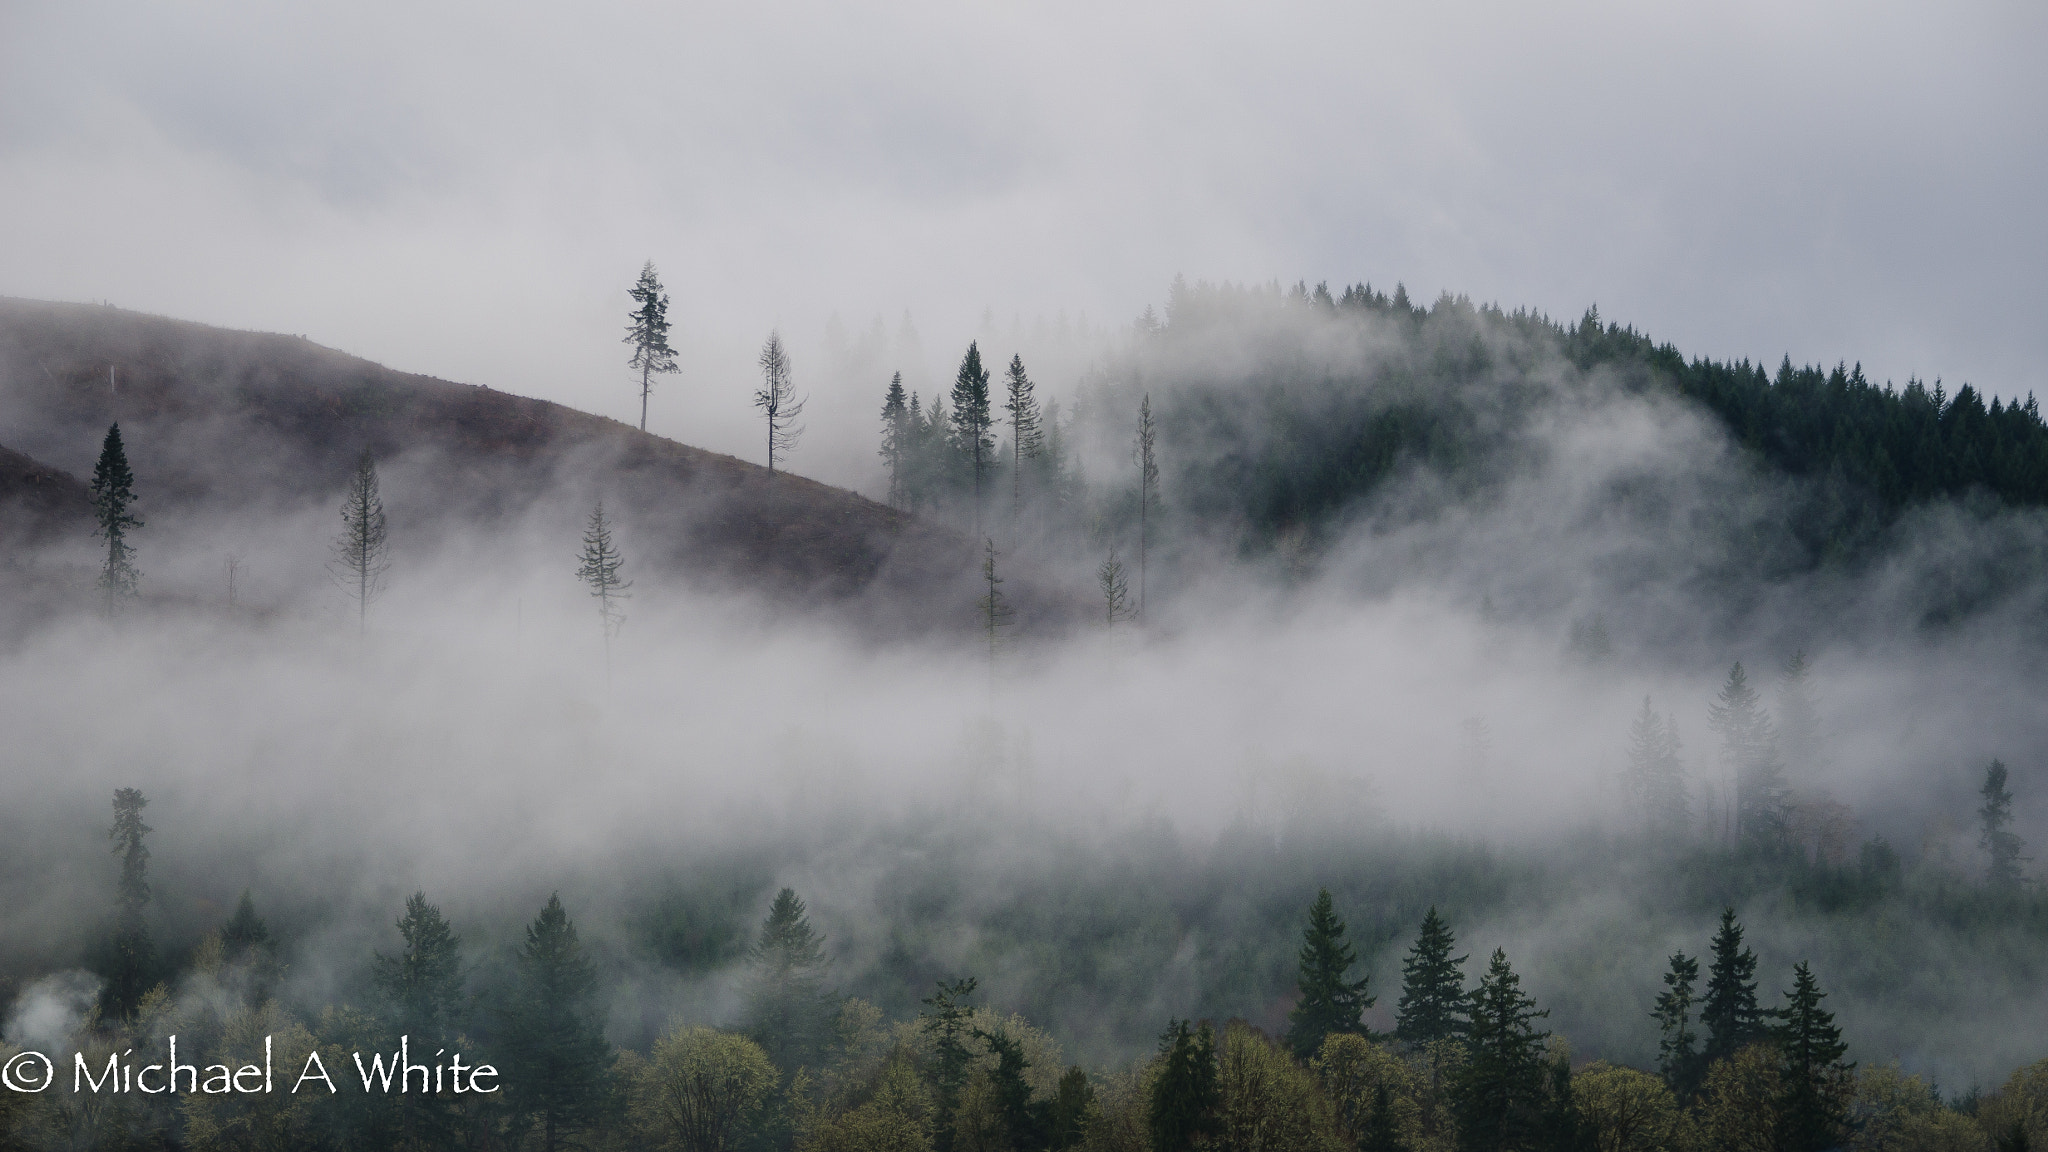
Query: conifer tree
(599, 567)
(1071, 1111)
(2002, 845)
(112, 491)
(1656, 777)
(1148, 489)
(777, 400)
(1677, 1058)
(995, 607)
(1433, 1000)
(557, 1064)
(973, 429)
(1380, 1133)
(248, 950)
(948, 1023)
(1330, 1001)
(422, 993)
(788, 1011)
(1022, 1122)
(1749, 746)
(897, 416)
(647, 332)
(1116, 591)
(133, 960)
(1027, 432)
(1562, 1126)
(1498, 1095)
(362, 553)
(1729, 1011)
(1813, 1112)
(1185, 1095)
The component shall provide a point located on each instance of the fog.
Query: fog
(1396, 712)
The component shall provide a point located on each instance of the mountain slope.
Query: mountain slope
(239, 422)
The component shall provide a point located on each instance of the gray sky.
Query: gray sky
(467, 190)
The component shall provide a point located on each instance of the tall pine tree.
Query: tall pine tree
(896, 440)
(112, 491)
(1729, 1011)
(973, 429)
(1433, 1000)
(1678, 1057)
(1185, 1095)
(133, 961)
(788, 1011)
(422, 992)
(557, 1064)
(1330, 1000)
(1498, 1096)
(647, 331)
(946, 1023)
(1814, 1110)
(1027, 432)
(2000, 843)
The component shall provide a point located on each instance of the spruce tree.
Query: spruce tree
(947, 1024)
(973, 430)
(1656, 778)
(557, 1063)
(2000, 844)
(1148, 489)
(1027, 432)
(1750, 748)
(1678, 1060)
(1329, 1001)
(1182, 1113)
(777, 400)
(1813, 1112)
(599, 566)
(1433, 1000)
(133, 961)
(788, 1012)
(1498, 1095)
(112, 491)
(421, 989)
(362, 553)
(647, 331)
(896, 439)
(1729, 1011)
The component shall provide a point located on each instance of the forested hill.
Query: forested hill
(1345, 390)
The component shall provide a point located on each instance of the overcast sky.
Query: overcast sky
(467, 190)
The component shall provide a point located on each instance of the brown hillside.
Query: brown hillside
(37, 501)
(229, 420)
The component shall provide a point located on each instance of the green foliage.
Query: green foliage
(1071, 1111)
(1625, 1110)
(1499, 1094)
(1329, 1001)
(1433, 997)
(1813, 1109)
(1186, 1098)
(1268, 1102)
(946, 1025)
(699, 1088)
(1678, 1059)
(112, 491)
(973, 430)
(1730, 1011)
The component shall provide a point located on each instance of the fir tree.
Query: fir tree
(1330, 1001)
(947, 1024)
(1027, 432)
(1185, 1095)
(647, 332)
(1433, 1000)
(133, 959)
(1148, 489)
(1379, 1132)
(973, 430)
(557, 1064)
(599, 566)
(1749, 747)
(1072, 1110)
(1729, 1011)
(1563, 1127)
(1678, 1060)
(1498, 1095)
(1656, 777)
(2002, 845)
(788, 1011)
(112, 491)
(1116, 591)
(422, 993)
(897, 417)
(362, 553)
(777, 400)
(1813, 1112)
(1023, 1122)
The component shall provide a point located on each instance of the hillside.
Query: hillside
(231, 422)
